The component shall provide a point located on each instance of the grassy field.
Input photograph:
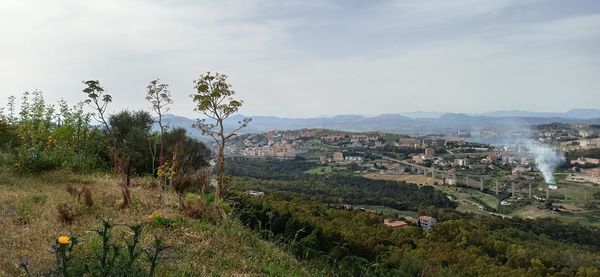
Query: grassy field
(408, 178)
(574, 202)
(30, 223)
(321, 170)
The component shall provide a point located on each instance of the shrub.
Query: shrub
(35, 160)
(6, 159)
(24, 212)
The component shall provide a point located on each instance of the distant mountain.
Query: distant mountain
(397, 123)
(419, 114)
(574, 114)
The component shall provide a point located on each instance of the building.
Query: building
(461, 162)
(492, 157)
(255, 193)
(394, 223)
(346, 206)
(450, 181)
(587, 175)
(426, 222)
(338, 157)
(419, 159)
(429, 152)
(584, 161)
(353, 158)
(520, 170)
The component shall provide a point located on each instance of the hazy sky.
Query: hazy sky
(309, 58)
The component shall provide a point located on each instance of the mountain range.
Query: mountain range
(415, 123)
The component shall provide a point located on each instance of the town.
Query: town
(500, 179)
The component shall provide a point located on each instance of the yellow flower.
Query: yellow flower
(64, 240)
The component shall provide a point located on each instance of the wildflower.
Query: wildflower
(64, 240)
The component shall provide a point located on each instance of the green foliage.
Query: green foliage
(270, 168)
(333, 188)
(196, 154)
(108, 257)
(24, 212)
(40, 137)
(131, 132)
(35, 159)
(358, 244)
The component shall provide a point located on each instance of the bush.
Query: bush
(34, 160)
(6, 159)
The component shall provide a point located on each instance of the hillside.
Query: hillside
(30, 223)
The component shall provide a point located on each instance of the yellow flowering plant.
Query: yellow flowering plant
(64, 248)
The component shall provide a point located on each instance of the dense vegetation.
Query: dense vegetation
(37, 136)
(297, 212)
(289, 177)
(357, 243)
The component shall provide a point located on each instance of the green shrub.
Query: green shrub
(6, 159)
(24, 212)
(35, 160)
(38, 198)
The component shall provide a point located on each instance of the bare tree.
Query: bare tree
(159, 96)
(214, 98)
(98, 100)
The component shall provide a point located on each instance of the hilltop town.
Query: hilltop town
(481, 177)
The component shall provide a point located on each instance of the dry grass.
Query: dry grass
(408, 178)
(29, 223)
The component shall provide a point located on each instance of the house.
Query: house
(419, 159)
(587, 175)
(338, 157)
(461, 162)
(584, 161)
(255, 193)
(394, 223)
(429, 152)
(346, 206)
(426, 222)
(450, 181)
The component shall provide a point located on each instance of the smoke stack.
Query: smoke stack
(547, 193)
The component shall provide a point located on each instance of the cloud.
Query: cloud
(301, 58)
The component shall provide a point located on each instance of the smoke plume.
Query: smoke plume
(547, 159)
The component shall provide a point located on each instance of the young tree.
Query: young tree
(98, 100)
(214, 98)
(159, 96)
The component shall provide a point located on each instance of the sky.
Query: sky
(310, 58)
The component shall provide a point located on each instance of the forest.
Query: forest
(298, 212)
(358, 244)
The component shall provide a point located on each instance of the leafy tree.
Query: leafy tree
(132, 133)
(214, 98)
(196, 155)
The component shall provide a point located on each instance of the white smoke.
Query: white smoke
(547, 159)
